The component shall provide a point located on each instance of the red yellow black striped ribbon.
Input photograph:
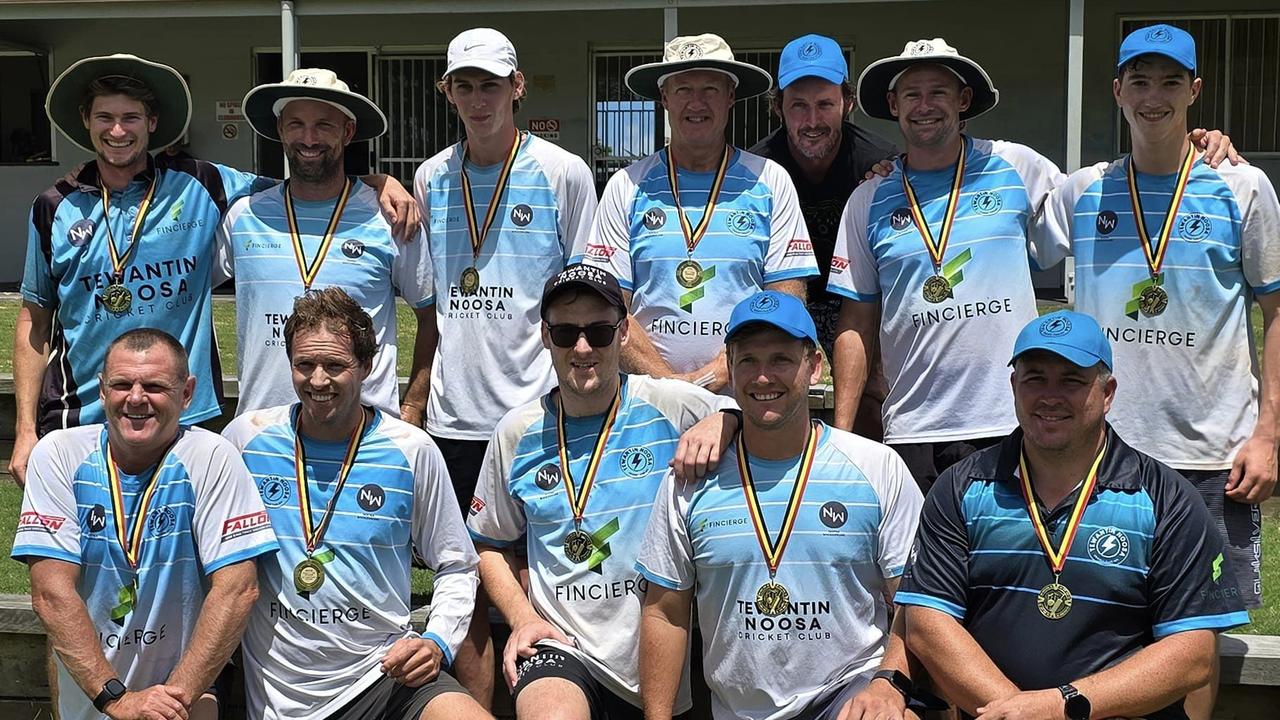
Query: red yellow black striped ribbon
(312, 534)
(692, 235)
(309, 271)
(479, 233)
(120, 259)
(773, 549)
(1058, 557)
(578, 496)
(130, 535)
(1155, 255)
(937, 248)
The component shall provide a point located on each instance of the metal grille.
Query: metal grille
(420, 122)
(1238, 59)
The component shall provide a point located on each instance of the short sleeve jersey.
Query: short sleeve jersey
(1222, 252)
(490, 357)
(945, 362)
(203, 516)
(853, 531)
(1146, 563)
(68, 267)
(756, 236)
(521, 493)
(307, 654)
(255, 246)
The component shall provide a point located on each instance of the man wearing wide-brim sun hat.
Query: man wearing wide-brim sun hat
(713, 224)
(320, 228)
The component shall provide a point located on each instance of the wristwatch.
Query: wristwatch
(113, 689)
(898, 680)
(1078, 707)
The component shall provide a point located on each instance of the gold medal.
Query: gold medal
(1054, 601)
(773, 599)
(470, 281)
(689, 274)
(308, 575)
(578, 546)
(936, 289)
(117, 298)
(1153, 300)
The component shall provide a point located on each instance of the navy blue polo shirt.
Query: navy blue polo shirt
(1146, 563)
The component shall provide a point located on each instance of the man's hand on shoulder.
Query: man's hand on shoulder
(1033, 705)
(878, 701)
(413, 661)
(702, 445)
(398, 207)
(158, 702)
(523, 644)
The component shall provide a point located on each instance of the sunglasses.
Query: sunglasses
(598, 334)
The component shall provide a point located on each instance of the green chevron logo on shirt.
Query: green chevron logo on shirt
(176, 212)
(688, 299)
(1131, 307)
(952, 271)
(600, 540)
(127, 597)
(1217, 567)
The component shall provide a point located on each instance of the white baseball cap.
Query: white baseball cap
(482, 48)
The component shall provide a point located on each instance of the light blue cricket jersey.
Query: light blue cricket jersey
(521, 492)
(945, 362)
(203, 516)
(68, 267)
(308, 654)
(254, 245)
(854, 530)
(1188, 378)
(490, 356)
(756, 236)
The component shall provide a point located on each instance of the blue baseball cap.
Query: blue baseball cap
(812, 56)
(1167, 40)
(783, 311)
(1071, 335)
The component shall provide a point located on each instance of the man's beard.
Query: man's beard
(315, 170)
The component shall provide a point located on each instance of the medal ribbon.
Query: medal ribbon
(937, 248)
(311, 532)
(692, 235)
(578, 496)
(1155, 255)
(773, 550)
(119, 259)
(1058, 557)
(308, 271)
(478, 234)
(130, 535)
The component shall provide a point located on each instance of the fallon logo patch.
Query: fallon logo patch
(476, 505)
(636, 461)
(81, 233)
(274, 491)
(1194, 227)
(833, 514)
(900, 219)
(1106, 222)
(371, 497)
(97, 519)
(161, 522)
(522, 215)
(839, 264)
(241, 525)
(987, 202)
(1055, 327)
(1109, 545)
(742, 222)
(31, 520)
(654, 218)
(353, 249)
(547, 477)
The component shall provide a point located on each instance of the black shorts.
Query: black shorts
(387, 699)
(463, 458)
(1241, 528)
(927, 460)
(555, 663)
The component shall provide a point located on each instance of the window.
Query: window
(1238, 58)
(24, 128)
(419, 119)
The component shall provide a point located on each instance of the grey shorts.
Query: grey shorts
(1241, 528)
(387, 699)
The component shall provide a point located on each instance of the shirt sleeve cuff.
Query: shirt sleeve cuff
(933, 603)
(444, 646)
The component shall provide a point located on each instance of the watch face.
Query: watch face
(1078, 708)
(114, 688)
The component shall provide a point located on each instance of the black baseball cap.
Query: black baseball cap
(583, 277)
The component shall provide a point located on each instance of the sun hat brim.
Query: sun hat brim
(259, 110)
(643, 79)
(172, 105)
(873, 83)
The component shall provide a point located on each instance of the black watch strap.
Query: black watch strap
(112, 689)
(1077, 706)
(916, 698)
(897, 679)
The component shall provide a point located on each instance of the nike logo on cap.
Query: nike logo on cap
(469, 48)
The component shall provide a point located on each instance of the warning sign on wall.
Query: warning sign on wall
(545, 128)
(229, 111)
